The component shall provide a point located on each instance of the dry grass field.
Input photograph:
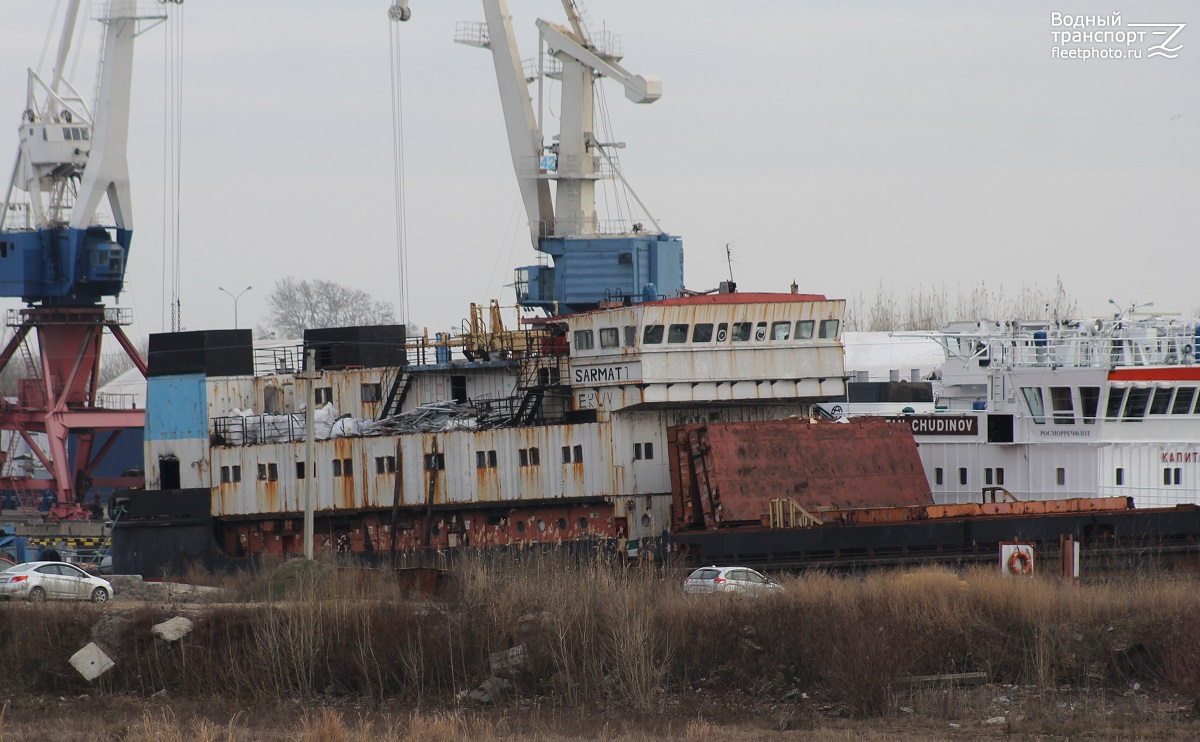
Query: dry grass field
(314, 652)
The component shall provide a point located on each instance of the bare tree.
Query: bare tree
(296, 306)
(929, 309)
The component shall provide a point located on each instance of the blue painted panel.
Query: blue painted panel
(125, 454)
(587, 271)
(176, 407)
(64, 266)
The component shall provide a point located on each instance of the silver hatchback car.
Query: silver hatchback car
(38, 581)
(728, 580)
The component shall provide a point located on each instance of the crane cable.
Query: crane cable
(399, 205)
(172, 157)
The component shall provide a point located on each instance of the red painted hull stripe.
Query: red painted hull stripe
(1191, 373)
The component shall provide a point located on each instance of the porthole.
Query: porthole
(562, 524)
(583, 524)
(645, 520)
(541, 525)
(520, 526)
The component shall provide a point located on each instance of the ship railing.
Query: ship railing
(282, 360)
(249, 430)
(1075, 352)
(109, 401)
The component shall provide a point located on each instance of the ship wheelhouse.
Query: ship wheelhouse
(1106, 407)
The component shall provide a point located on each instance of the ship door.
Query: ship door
(168, 472)
(271, 401)
(458, 389)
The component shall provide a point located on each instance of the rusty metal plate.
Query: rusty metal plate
(741, 467)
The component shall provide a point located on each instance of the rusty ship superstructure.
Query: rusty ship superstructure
(549, 434)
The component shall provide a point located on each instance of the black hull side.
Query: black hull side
(161, 534)
(1109, 541)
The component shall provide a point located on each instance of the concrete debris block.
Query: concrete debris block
(490, 690)
(91, 662)
(172, 630)
(996, 720)
(110, 630)
(509, 661)
(135, 588)
(124, 583)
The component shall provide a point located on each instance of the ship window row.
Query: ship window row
(529, 457)
(738, 332)
(706, 332)
(343, 467)
(485, 459)
(643, 451)
(1172, 476)
(1132, 404)
(231, 474)
(385, 464)
(268, 472)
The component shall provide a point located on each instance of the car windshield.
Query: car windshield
(704, 574)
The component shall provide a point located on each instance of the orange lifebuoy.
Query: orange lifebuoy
(1020, 563)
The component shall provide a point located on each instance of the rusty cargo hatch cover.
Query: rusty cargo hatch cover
(727, 473)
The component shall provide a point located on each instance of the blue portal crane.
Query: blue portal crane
(65, 233)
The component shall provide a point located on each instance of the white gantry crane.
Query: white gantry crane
(593, 262)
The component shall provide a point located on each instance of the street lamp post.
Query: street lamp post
(235, 297)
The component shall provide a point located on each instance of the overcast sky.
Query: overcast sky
(843, 145)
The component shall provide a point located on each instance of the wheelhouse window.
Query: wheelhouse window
(829, 328)
(702, 333)
(584, 340)
(741, 331)
(1135, 406)
(781, 330)
(804, 329)
(677, 334)
(1120, 476)
(371, 393)
(652, 335)
(937, 476)
(1161, 401)
(1060, 476)
(1033, 399)
(610, 337)
(1060, 402)
(630, 336)
(962, 476)
(1116, 396)
(1183, 400)
(1089, 403)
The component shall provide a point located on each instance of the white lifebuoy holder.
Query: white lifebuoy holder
(722, 334)
(760, 334)
(1017, 559)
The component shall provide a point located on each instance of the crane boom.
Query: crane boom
(524, 134)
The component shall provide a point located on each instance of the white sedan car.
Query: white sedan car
(38, 581)
(716, 579)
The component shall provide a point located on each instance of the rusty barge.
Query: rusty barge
(680, 425)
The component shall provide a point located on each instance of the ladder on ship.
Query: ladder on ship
(397, 393)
